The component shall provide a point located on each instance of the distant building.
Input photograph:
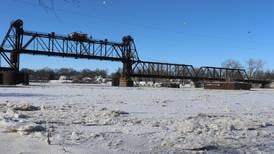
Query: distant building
(63, 77)
(87, 79)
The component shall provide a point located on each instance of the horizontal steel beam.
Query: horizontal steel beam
(67, 55)
(66, 37)
(4, 69)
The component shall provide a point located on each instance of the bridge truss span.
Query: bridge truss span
(220, 73)
(54, 45)
(162, 70)
(18, 41)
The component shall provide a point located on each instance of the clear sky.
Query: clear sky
(197, 32)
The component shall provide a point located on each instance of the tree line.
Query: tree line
(70, 73)
(254, 68)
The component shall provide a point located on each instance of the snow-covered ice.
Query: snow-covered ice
(85, 118)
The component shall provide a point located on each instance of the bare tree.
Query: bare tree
(254, 67)
(230, 63)
(269, 74)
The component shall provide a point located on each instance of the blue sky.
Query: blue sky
(197, 32)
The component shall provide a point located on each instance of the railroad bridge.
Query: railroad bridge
(19, 41)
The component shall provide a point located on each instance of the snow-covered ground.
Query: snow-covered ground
(101, 119)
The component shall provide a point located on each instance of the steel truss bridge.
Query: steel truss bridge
(19, 41)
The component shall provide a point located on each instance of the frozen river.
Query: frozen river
(103, 119)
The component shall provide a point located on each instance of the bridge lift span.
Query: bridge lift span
(18, 41)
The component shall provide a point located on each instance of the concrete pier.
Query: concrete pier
(13, 78)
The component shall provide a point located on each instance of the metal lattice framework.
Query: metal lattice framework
(219, 73)
(19, 41)
(162, 70)
(182, 71)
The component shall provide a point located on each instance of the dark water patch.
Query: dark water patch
(205, 148)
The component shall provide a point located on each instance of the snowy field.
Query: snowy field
(102, 119)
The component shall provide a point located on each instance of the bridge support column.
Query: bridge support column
(125, 82)
(265, 85)
(198, 83)
(13, 78)
(125, 79)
